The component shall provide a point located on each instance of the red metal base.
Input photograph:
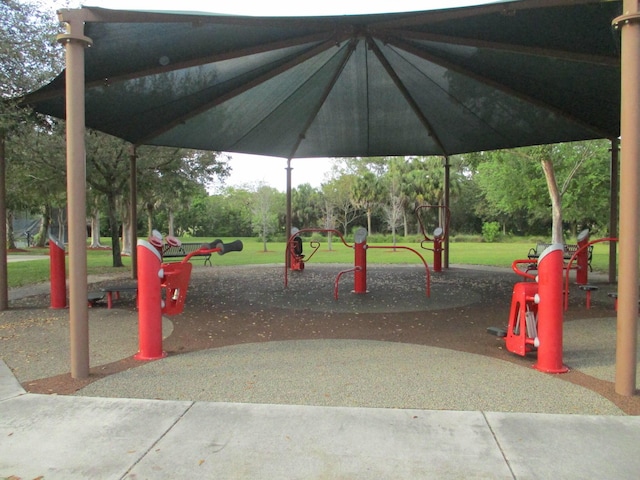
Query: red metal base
(517, 339)
(142, 357)
(297, 262)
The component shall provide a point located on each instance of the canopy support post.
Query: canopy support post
(75, 42)
(447, 191)
(133, 214)
(613, 205)
(288, 224)
(627, 320)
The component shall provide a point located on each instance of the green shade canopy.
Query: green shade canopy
(436, 82)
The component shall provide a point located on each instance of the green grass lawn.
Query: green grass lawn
(494, 254)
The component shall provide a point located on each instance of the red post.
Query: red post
(57, 274)
(438, 233)
(550, 317)
(150, 276)
(582, 275)
(360, 262)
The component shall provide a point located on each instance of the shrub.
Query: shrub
(491, 231)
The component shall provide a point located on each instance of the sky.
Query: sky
(253, 169)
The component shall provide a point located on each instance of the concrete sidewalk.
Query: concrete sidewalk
(51, 437)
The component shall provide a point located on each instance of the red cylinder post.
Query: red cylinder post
(438, 234)
(582, 275)
(550, 316)
(57, 274)
(360, 262)
(149, 302)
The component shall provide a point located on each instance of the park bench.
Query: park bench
(569, 251)
(181, 251)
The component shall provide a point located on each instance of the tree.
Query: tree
(306, 206)
(108, 174)
(267, 205)
(29, 57)
(366, 194)
(337, 193)
(512, 183)
(394, 208)
(170, 178)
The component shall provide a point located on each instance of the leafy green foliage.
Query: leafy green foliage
(490, 231)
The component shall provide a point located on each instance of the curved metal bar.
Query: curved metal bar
(315, 245)
(520, 272)
(573, 257)
(200, 251)
(446, 221)
(428, 273)
(335, 284)
(426, 248)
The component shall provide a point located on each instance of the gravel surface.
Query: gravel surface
(245, 337)
(352, 373)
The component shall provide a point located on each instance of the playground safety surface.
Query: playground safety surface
(265, 382)
(392, 347)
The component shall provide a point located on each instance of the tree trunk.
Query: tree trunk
(43, 233)
(171, 228)
(556, 201)
(95, 230)
(369, 220)
(127, 241)
(11, 238)
(149, 218)
(62, 221)
(264, 239)
(126, 238)
(406, 225)
(115, 231)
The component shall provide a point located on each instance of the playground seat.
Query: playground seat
(94, 297)
(588, 289)
(117, 289)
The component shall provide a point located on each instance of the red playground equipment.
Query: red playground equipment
(293, 252)
(535, 317)
(57, 273)
(162, 289)
(296, 258)
(439, 233)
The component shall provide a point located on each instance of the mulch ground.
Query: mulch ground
(234, 305)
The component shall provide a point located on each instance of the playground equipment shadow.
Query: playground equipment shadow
(267, 382)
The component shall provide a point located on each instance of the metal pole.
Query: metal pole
(133, 200)
(4, 277)
(75, 43)
(613, 213)
(627, 322)
(447, 189)
(288, 220)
